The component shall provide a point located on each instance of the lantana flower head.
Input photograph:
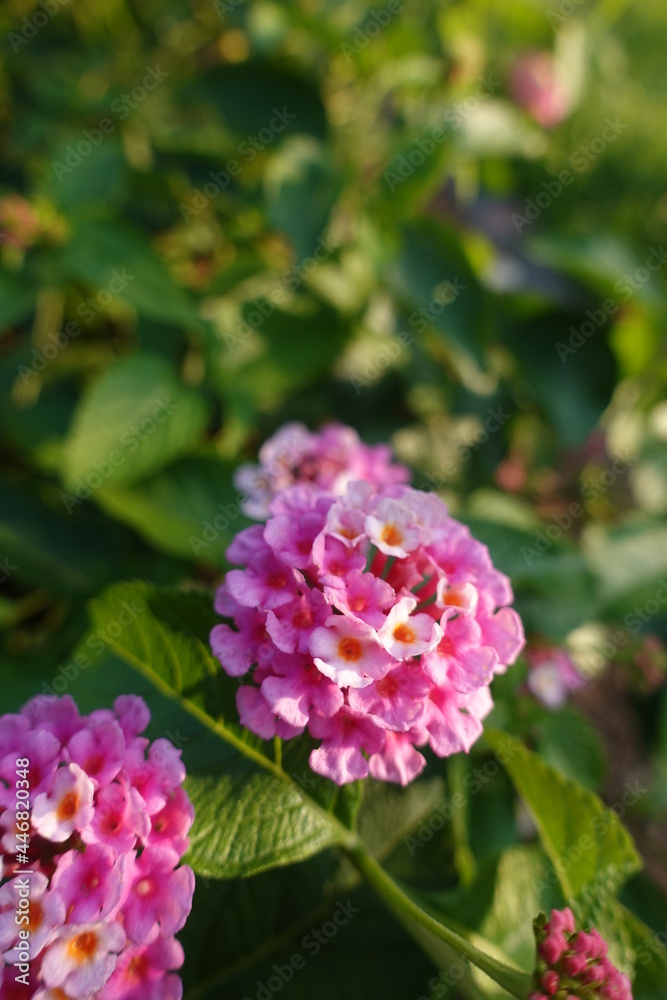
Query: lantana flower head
(101, 836)
(367, 616)
(573, 963)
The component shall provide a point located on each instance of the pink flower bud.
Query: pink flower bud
(574, 965)
(553, 947)
(550, 982)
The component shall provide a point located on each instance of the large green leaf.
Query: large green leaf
(48, 550)
(586, 842)
(250, 814)
(135, 419)
(190, 509)
(301, 186)
(112, 257)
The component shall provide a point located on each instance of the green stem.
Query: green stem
(518, 984)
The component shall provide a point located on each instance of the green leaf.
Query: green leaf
(267, 87)
(586, 842)
(134, 419)
(431, 929)
(250, 815)
(242, 933)
(301, 186)
(190, 509)
(649, 954)
(111, 256)
(49, 550)
(431, 256)
(499, 903)
(631, 564)
(17, 299)
(98, 180)
(570, 744)
(289, 353)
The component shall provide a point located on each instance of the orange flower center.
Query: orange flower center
(403, 633)
(137, 967)
(391, 535)
(83, 947)
(347, 533)
(68, 806)
(35, 917)
(350, 649)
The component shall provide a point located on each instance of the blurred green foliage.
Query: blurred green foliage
(219, 216)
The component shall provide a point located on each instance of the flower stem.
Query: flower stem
(518, 984)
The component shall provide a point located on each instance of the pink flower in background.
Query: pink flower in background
(19, 224)
(327, 460)
(552, 676)
(377, 621)
(108, 825)
(537, 88)
(573, 963)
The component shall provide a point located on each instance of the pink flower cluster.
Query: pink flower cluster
(573, 964)
(552, 676)
(370, 618)
(105, 826)
(328, 459)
